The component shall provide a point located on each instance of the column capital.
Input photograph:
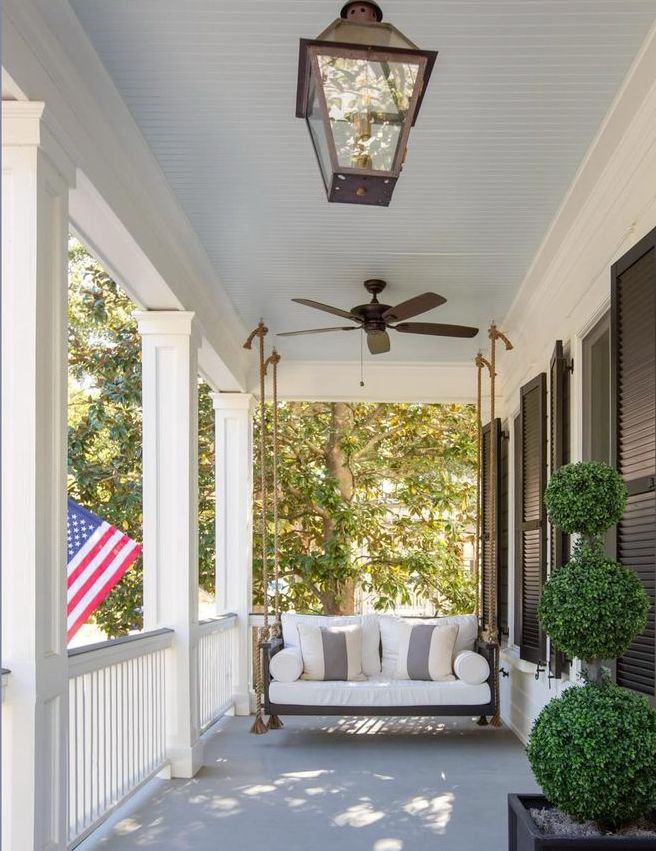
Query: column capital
(164, 322)
(233, 401)
(25, 124)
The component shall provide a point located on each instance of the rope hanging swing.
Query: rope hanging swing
(490, 632)
(265, 632)
(485, 494)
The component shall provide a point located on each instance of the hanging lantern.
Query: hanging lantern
(360, 86)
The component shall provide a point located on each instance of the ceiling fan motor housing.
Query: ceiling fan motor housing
(372, 313)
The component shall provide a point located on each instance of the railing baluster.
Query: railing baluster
(117, 720)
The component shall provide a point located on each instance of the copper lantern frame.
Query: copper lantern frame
(358, 185)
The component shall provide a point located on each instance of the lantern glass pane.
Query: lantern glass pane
(318, 134)
(368, 102)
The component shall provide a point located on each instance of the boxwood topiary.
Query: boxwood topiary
(588, 497)
(593, 749)
(593, 607)
(593, 752)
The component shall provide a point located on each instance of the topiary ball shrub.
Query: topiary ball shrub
(588, 497)
(593, 607)
(593, 752)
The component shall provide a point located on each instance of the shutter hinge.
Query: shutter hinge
(540, 667)
(569, 365)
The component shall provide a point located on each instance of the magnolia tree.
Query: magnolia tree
(377, 498)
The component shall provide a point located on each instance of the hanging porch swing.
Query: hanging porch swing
(377, 696)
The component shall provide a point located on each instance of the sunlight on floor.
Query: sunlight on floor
(311, 786)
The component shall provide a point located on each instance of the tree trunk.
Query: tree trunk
(339, 600)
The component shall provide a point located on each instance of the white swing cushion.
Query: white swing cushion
(471, 667)
(377, 692)
(287, 665)
(390, 633)
(370, 634)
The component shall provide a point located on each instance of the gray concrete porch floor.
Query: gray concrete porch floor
(348, 784)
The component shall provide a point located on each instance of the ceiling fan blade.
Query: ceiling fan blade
(378, 342)
(436, 330)
(413, 307)
(336, 311)
(316, 331)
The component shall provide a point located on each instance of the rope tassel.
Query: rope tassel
(275, 723)
(259, 727)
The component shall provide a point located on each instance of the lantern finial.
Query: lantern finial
(363, 11)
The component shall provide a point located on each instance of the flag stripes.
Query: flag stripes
(98, 556)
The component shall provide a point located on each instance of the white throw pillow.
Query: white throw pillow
(391, 636)
(331, 653)
(426, 652)
(471, 668)
(370, 634)
(287, 665)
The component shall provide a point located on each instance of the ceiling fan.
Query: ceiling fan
(375, 318)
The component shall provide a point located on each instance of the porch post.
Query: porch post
(36, 179)
(234, 513)
(170, 505)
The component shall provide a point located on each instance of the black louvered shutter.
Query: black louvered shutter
(531, 525)
(559, 454)
(502, 523)
(633, 387)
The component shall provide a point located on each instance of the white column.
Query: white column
(170, 506)
(36, 176)
(234, 519)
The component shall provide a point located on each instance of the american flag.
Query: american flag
(98, 556)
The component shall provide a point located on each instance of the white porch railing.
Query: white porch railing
(216, 647)
(116, 723)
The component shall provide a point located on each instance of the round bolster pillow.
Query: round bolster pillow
(287, 665)
(471, 668)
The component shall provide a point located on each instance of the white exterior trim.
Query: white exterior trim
(35, 188)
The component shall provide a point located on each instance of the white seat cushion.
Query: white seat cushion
(370, 634)
(390, 632)
(378, 691)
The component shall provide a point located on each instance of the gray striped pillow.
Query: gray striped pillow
(426, 652)
(331, 653)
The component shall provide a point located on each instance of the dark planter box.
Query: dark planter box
(524, 835)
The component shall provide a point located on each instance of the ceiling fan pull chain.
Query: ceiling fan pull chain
(362, 357)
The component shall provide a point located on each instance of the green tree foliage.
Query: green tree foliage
(104, 444)
(379, 497)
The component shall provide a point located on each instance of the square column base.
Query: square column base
(186, 762)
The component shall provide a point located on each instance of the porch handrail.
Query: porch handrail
(91, 657)
(217, 623)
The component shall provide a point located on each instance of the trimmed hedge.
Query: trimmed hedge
(593, 752)
(588, 497)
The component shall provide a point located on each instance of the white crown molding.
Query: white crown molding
(48, 57)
